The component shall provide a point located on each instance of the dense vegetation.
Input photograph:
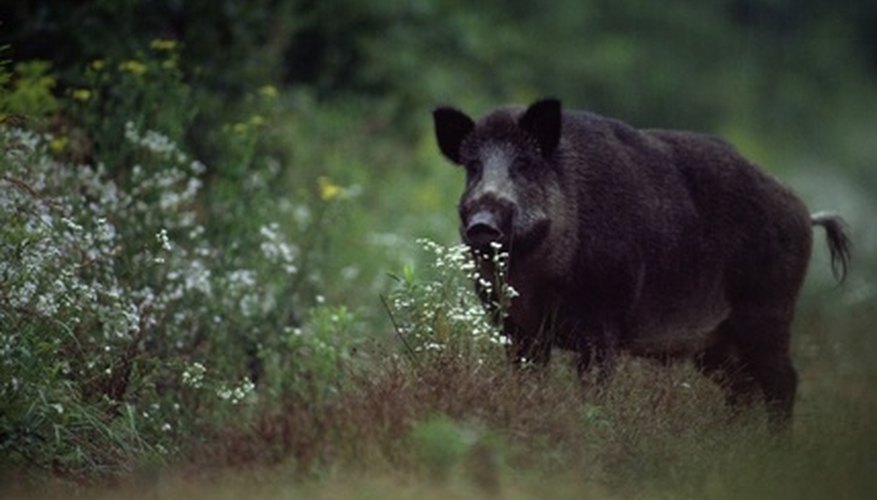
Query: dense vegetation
(217, 227)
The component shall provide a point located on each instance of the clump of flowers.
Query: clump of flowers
(116, 305)
(442, 313)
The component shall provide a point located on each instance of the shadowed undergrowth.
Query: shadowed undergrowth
(656, 429)
(451, 427)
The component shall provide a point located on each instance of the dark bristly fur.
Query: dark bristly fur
(661, 243)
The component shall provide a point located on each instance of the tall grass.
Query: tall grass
(451, 427)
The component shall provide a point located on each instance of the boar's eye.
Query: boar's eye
(520, 164)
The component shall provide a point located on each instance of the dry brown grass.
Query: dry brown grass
(661, 428)
(448, 427)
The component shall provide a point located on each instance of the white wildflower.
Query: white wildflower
(237, 394)
(193, 376)
(197, 277)
(47, 304)
(163, 239)
(73, 226)
(155, 142)
(106, 232)
(197, 167)
(243, 278)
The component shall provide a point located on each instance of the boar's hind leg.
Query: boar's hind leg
(754, 350)
(720, 363)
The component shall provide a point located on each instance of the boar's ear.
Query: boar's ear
(542, 120)
(451, 127)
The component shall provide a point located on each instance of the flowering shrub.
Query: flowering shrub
(127, 317)
(442, 314)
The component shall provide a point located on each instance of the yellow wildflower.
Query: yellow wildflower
(82, 95)
(133, 67)
(328, 189)
(268, 91)
(164, 44)
(98, 64)
(58, 144)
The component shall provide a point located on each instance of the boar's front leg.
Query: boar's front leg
(528, 348)
(598, 346)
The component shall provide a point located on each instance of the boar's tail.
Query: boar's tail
(839, 243)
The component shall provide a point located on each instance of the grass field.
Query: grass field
(450, 428)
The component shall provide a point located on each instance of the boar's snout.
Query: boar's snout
(484, 227)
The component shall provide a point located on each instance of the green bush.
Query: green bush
(134, 306)
(440, 445)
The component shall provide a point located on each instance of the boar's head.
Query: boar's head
(511, 172)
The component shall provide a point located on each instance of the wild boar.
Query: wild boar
(655, 242)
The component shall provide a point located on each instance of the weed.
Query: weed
(440, 314)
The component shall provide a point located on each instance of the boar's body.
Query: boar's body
(659, 243)
(671, 232)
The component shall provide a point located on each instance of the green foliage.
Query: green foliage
(441, 444)
(227, 41)
(27, 89)
(147, 90)
(761, 63)
(311, 361)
